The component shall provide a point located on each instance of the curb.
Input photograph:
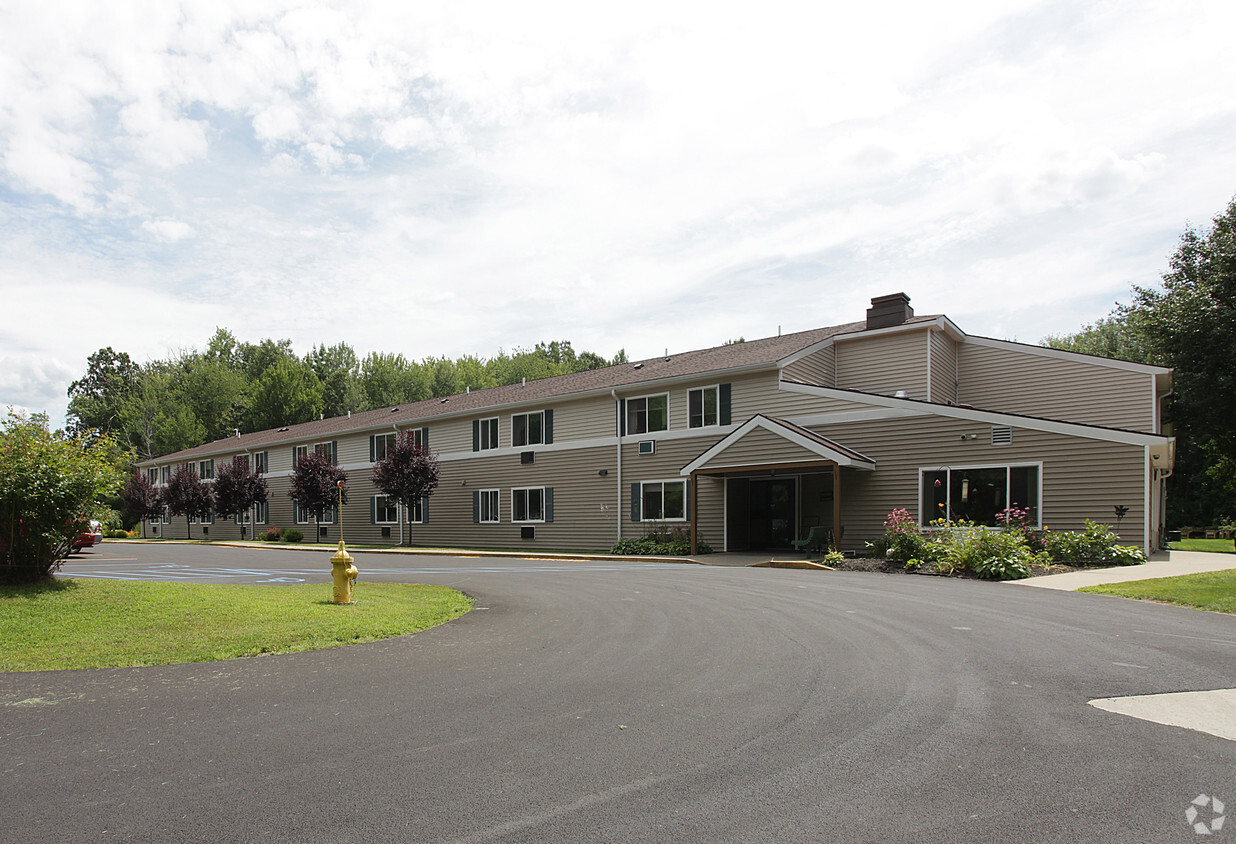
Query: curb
(791, 564)
(429, 552)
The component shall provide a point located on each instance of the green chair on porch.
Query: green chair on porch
(818, 538)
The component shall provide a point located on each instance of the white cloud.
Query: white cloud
(168, 231)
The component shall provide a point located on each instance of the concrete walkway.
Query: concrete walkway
(1171, 564)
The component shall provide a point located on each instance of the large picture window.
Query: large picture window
(385, 510)
(648, 413)
(978, 493)
(660, 501)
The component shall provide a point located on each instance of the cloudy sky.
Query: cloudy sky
(450, 178)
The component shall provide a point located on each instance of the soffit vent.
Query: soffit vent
(1001, 435)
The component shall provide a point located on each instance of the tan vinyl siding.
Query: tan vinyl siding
(1036, 385)
(817, 368)
(664, 465)
(1081, 478)
(884, 364)
(943, 368)
(761, 446)
(763, 394)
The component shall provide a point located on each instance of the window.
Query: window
(648, 413)
(167, 514)
(703, 407)
(531, 428)
(206, 470)
(302, 516)
(485, 506)
(327, 450)
(209, 518)
(297, 453)
(977, 493)
(379, 444)
(260, 510)
(259, 462)
(242, 518)
(152, 475)
(385, 510)
(165, 474)
(485, 434)
(532, 504)
(417, 512)
(659, 501)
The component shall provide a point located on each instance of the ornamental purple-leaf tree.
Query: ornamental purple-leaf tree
(141, 500)
(408, 473)
(315, 486)
(237, 488)
(188, 495)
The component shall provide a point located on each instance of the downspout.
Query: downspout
(618, 435)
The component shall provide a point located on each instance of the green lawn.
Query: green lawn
(1220, 546)
(111, 623)
(1214, 591)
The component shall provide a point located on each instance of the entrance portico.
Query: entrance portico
(766, 463)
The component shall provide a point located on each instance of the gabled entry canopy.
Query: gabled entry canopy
(766, 442)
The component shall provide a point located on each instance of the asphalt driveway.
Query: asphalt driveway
(634, 702)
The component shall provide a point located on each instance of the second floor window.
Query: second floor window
(531, 428)
(702, 407)
(647, 413)
(206, 470)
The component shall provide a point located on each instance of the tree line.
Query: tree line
(1190, 325)
(197, 396)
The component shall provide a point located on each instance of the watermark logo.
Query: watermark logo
(1205, 814)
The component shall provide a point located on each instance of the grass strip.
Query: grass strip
(1213, 590)
(1213, 546)
(114, 623)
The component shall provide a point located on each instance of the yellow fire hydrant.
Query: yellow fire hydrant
(344, 573)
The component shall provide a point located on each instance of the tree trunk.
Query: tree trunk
(188, 528)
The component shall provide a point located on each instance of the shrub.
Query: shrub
(293, 535)
(1096, 545)
(118, 533)
(832, 558)
(272, 535)
(660, 542)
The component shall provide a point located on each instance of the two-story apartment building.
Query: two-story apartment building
(750, 445)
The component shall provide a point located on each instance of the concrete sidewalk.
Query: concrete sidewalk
(1169, 565)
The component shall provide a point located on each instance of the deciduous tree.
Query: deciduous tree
(408, 473)
(187, 495)
(141, 499)
(237, 488)
(316, 486)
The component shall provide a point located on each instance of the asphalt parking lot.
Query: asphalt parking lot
(615, 701)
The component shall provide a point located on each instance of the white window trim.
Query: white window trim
(680, 482)
(201, 473)
(630, 428)
(496, 512)
(1038, 508)
(716, 388)
(483, 431)
(261, 513)
(419, 520)
(299, 451)
(299, 511)
(530, 413)
(377, 509)
(526, 489)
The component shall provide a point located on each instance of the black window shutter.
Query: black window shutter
(476, 435)
(334, 452)
(293, 457)
(549, 426)
(476, 506)
(373, 448)
(549, 503)
(425, 509)
(635, 502)
(686, 504)
(725, 404)
(622, 417)
(425, 438)
(373, 509)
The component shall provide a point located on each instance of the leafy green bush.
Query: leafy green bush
(660, 543)
(118, 533)
(293, 535)
(1096, 545)
(833, 557)
(272, 535)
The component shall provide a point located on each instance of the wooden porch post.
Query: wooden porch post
(695, 513)
(836, 507)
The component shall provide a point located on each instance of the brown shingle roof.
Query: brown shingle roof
(747, 355)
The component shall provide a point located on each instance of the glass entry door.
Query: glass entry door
(771, 513)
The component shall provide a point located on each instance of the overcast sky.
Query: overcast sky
(454, 177)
